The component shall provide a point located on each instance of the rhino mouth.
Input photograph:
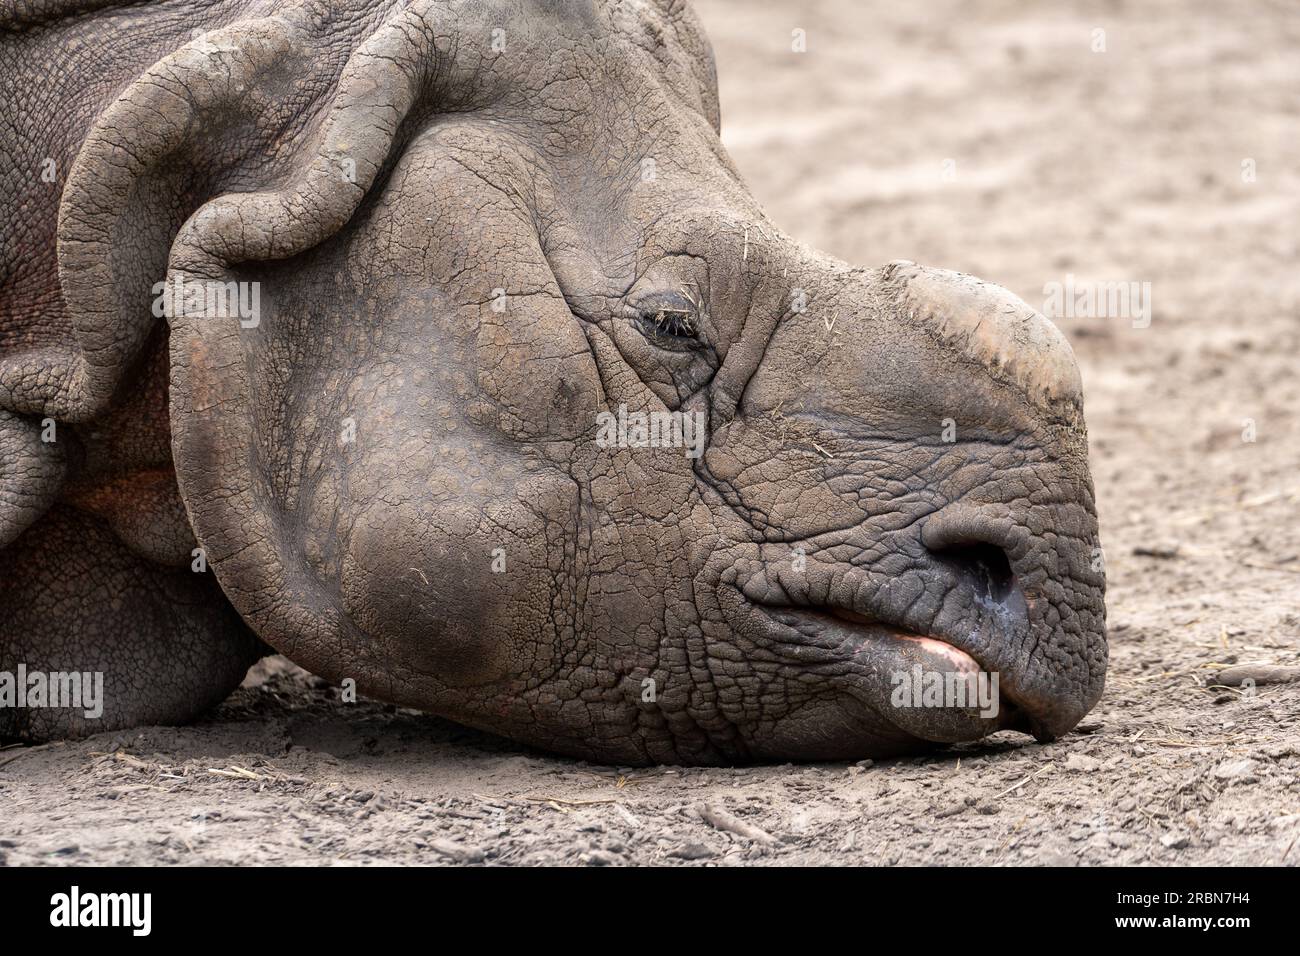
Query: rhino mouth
(929, 687)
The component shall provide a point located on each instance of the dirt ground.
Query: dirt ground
(1125, 164)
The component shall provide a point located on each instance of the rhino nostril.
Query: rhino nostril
(984, 566)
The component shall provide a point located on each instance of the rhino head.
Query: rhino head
(542, 426)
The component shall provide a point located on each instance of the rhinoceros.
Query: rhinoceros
(439, 346)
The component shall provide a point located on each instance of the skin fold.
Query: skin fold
(474, 227)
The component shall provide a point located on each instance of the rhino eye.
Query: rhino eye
(669, 320)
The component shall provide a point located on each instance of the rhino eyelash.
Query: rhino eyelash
(671, 322)
(678, 323)
(670, 331)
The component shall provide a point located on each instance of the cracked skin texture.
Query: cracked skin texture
(466, 220)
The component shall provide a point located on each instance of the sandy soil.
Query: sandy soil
(1116, 165)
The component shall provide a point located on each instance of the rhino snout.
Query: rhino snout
(918, 434)
(1048, 648)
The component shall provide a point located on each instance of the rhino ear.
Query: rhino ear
(220, 364)
(230, 112)
(145, 165)
(149, 160)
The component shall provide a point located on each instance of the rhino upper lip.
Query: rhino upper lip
(869, 628)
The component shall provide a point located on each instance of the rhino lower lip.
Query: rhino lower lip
(867, 637)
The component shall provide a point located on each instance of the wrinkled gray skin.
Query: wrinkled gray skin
(380, 169)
